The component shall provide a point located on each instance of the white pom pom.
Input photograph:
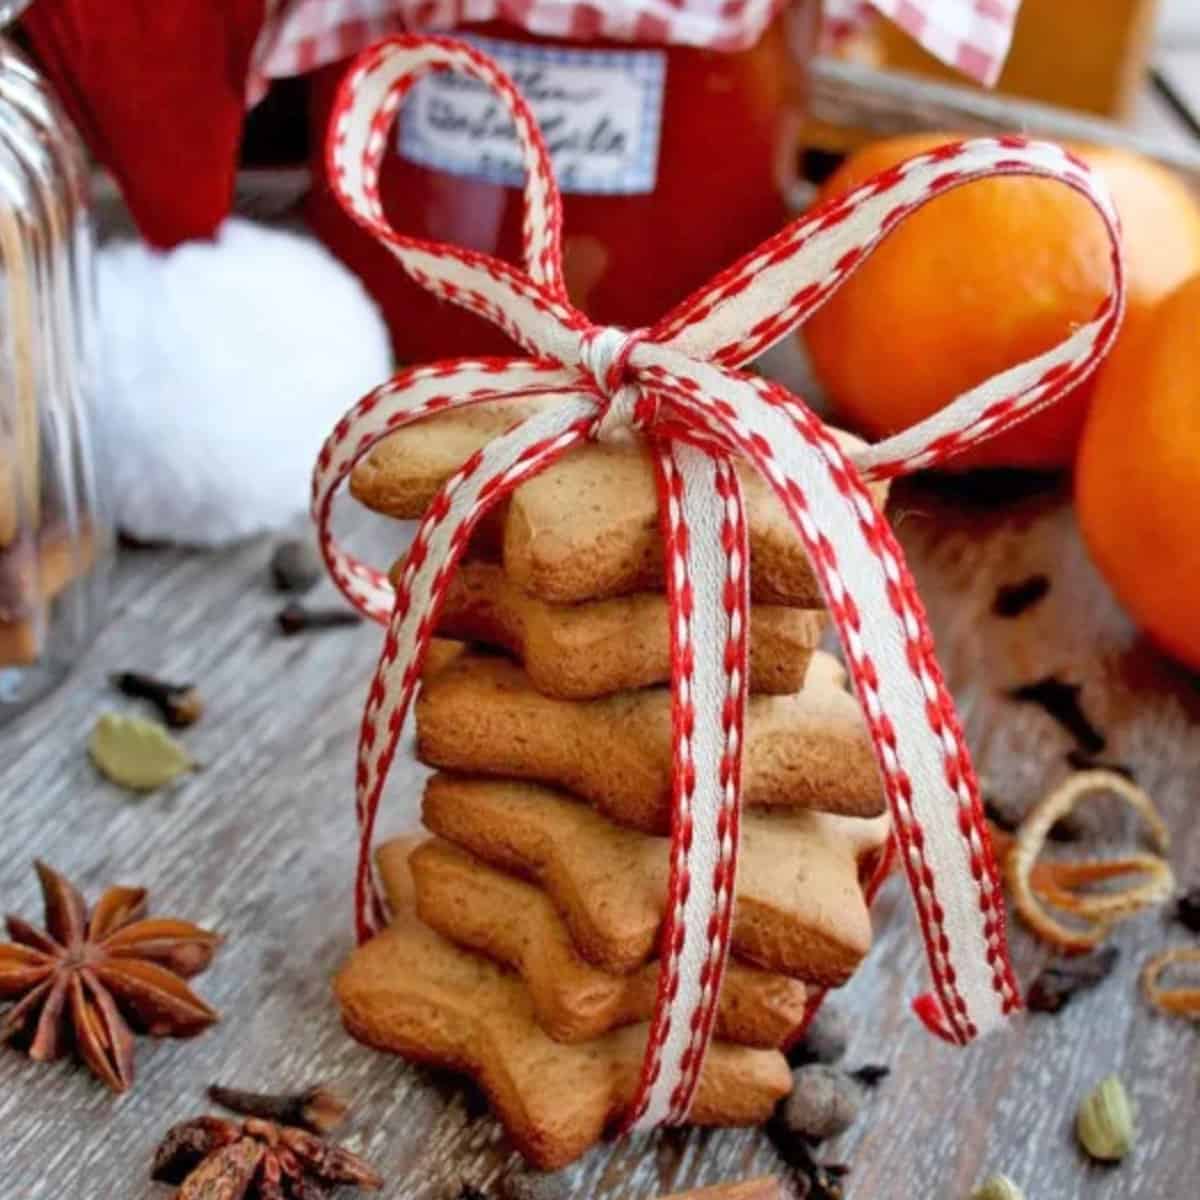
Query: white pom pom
(223, 366)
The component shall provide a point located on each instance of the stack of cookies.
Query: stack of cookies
(525, 931)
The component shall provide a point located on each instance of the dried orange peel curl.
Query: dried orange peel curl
(1038, 887)
(1177, 1001)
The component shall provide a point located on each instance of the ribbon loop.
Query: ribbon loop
(530, 305)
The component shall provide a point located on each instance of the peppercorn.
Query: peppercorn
(824, 1102)
(295, 566)
(824, 1040)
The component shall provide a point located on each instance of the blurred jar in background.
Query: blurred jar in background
(674, 160)
(53, 540)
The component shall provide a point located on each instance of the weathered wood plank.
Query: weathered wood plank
(260, 845)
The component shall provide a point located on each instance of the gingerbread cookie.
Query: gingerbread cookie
(587, 528)
(800, 908)
(581, 651)
(516, 924)
(410, 991)
(482, 715)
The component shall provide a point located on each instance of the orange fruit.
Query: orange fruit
(980, 279)
(1137, 480)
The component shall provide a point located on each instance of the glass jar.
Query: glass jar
(54, 541)
(717, 135)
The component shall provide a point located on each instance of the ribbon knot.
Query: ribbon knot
(686, 375)
(605, 353)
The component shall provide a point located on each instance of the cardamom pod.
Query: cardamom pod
(135, 753)
(997, 1187)
(1105, 1125)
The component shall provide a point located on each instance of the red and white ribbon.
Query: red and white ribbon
(678, 385)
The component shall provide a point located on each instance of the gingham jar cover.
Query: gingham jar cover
(302, 35)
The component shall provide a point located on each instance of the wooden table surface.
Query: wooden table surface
(260, 846)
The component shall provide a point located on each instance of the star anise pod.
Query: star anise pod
(212, 1158)
(88, 981)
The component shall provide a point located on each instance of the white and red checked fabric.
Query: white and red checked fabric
(972, 35)
(679, 385)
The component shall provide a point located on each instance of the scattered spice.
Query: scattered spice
(215, 1159)
(871, 1075)
(295, 565)
(317, 1109)
(1060, 701)
(1105, 1125)
(1012, 599)
(1187, 910)
(179, 704)
(136, 754)
(1035, 886)
(824, 1040)
(824, 1102)
(1077, 760)
(997, 1187)
(75, 984)
(1058, 982)
(813, 1180)
(296, 618)
(1178, 1001)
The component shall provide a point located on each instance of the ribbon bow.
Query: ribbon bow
(677, 386)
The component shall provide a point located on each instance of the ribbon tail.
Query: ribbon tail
(441, 538)
(704, 534)
(411, 395)
(927, 775)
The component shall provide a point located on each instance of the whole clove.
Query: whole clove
(1061, 980)
(296, 618)
(1013, 599)
(1187, 910)
(179, 704)
(295, 566)
(871, 1075)
(318, 1109)
(469, 1192)
(1060, 702)
(813, 1180)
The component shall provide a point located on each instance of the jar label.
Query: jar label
(599, 111)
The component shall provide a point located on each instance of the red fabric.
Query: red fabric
(158, 90)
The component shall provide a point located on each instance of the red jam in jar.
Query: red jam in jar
(673, 160)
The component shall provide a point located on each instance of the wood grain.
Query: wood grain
(260, 845)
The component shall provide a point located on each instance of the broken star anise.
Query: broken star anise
(215, 1159)
(90, 980)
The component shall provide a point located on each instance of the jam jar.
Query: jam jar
(53, 535)
(674, 159)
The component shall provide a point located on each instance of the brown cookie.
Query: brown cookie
(581, 651)
(482, 715)
(800, 908)
(412, 992)
(587, 528)
(516, 924)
